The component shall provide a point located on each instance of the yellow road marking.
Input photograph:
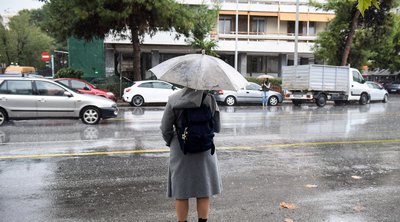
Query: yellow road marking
(219, 148)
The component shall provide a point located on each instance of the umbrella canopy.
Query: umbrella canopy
(200, 72)
(265, 76)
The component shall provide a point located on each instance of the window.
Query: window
(224, 25)
(64, 82)
(292, 28)
(49, 89)
(146, 85)
(161, 85)
(256, 64)
(3, 88)
(357, 77)
(252, 86)
(79, 85)
(258, 25)
(18, 87)
(311, 28)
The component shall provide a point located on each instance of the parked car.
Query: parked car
(393, 87)
(34, 98)
(377, 92)
(251, 94)
(85, 87)
(148, 91)
(20, 70)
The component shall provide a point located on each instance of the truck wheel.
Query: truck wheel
(321, 100)
(363, 99)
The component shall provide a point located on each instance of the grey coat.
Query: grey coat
(193, 174)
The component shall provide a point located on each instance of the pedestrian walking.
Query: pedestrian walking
(266, 85)
(191, 175)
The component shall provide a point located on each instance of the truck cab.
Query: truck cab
(357, 86)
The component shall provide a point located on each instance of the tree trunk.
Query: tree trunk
(349, 40)
(136, 55)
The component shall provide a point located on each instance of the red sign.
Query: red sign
(45, 56)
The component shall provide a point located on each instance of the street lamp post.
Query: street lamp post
(236, 34)
(296, 34)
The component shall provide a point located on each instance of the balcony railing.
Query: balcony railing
(262, 36)
(268, 2)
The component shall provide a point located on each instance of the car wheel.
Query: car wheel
(90, 115)
(363, 99)
(3, 117)
(321, 100)
(137, 101)
(273, 101)
(385, 99)
(230, 101)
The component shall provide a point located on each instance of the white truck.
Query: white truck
(320, 83)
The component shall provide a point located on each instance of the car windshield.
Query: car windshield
(66, 86)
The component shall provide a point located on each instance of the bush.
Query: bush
(69, 73)
(111, 84)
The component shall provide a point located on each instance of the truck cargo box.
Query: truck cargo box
(315, 78)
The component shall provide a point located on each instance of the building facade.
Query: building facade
(264, 40)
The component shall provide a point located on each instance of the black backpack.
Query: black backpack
(196, 133)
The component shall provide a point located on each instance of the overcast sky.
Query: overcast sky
(13, 6)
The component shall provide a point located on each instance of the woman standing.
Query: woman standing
(265, 88)
(191, 175)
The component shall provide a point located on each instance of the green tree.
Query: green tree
(350, 38)
(124, 18)
(4, 42)
(204, 21)
(23, 42)
(69, 73)
(363, 5)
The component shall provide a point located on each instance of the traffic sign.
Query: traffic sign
(45, 56)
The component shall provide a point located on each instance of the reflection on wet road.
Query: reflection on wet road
(63, 170)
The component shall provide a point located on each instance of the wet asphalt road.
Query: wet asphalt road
(336, 163)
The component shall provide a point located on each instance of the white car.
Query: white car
(148, 91)
(377, 92)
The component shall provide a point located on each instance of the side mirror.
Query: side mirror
(174, 87)
(363, 81)
(66, 93)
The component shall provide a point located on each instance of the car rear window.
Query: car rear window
(146, 85)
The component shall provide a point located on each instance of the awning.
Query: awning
(312, 17)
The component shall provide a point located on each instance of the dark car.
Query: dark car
(393, 87)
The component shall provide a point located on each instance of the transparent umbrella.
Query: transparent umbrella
(265, 76)
(199, 71)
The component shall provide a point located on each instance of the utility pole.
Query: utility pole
(296, 35)
(236, 34)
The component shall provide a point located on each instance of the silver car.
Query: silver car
(251, 94)
(34, 98)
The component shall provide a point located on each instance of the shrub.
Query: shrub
(69, 73)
